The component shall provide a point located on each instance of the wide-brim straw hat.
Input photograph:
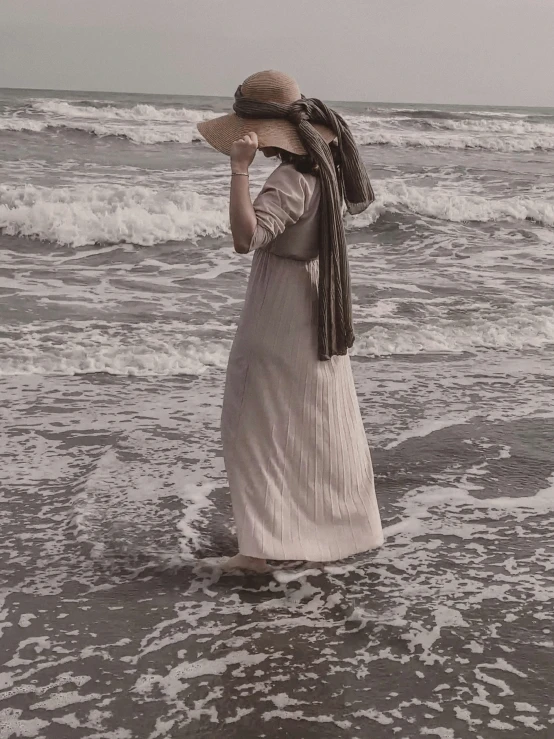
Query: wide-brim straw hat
(268, 86)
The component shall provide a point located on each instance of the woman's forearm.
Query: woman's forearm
(241, 210)
(241, 213)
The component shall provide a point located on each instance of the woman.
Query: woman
(295, 450)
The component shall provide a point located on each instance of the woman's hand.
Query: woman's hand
(244, 150)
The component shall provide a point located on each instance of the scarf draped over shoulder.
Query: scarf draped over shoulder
(347, 183)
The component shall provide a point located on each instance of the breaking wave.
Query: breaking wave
(143, 134)
(109, 214)
(497, 131)
(141, 112)
(449, 205)
(95, 214)
(501, 144)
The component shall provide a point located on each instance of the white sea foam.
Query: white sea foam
(141, 124)
(22, 124)
(169, 348)
(172, 683)
(149, 124)
(94, 214)
(420, 501)
(142, 112)
(510, 126)
(12, 723)
(527, 329)
(503, 144)
(442, 112)
(148, 133)
(500, 133)
(144, 134)
(149, 350)
(449, 205)
(170, 131)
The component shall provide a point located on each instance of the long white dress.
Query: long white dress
(295, 449)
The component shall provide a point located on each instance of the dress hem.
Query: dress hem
(315, 557)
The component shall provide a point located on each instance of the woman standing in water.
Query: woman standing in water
(295, 449)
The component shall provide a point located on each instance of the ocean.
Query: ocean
(119, 296)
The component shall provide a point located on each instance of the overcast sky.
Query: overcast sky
(424, 51)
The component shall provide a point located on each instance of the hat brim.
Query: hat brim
(221, 132)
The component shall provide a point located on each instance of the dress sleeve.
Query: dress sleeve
(282, 202)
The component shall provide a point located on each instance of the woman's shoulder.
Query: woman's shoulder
(287, 176)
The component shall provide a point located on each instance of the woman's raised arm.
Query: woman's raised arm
(241, 210)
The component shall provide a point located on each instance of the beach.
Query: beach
(119, 296)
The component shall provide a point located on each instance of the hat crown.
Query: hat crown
(271, 87)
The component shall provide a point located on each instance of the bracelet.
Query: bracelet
(242, 174)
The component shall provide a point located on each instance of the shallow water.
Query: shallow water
(119, 294)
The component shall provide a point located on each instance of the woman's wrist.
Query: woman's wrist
(239, 167)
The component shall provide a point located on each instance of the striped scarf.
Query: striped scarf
(349, 183)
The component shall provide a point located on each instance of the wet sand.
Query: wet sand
(115, 622)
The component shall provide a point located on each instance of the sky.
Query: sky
(422, 51)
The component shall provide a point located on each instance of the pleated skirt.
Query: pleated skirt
(296, 454)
